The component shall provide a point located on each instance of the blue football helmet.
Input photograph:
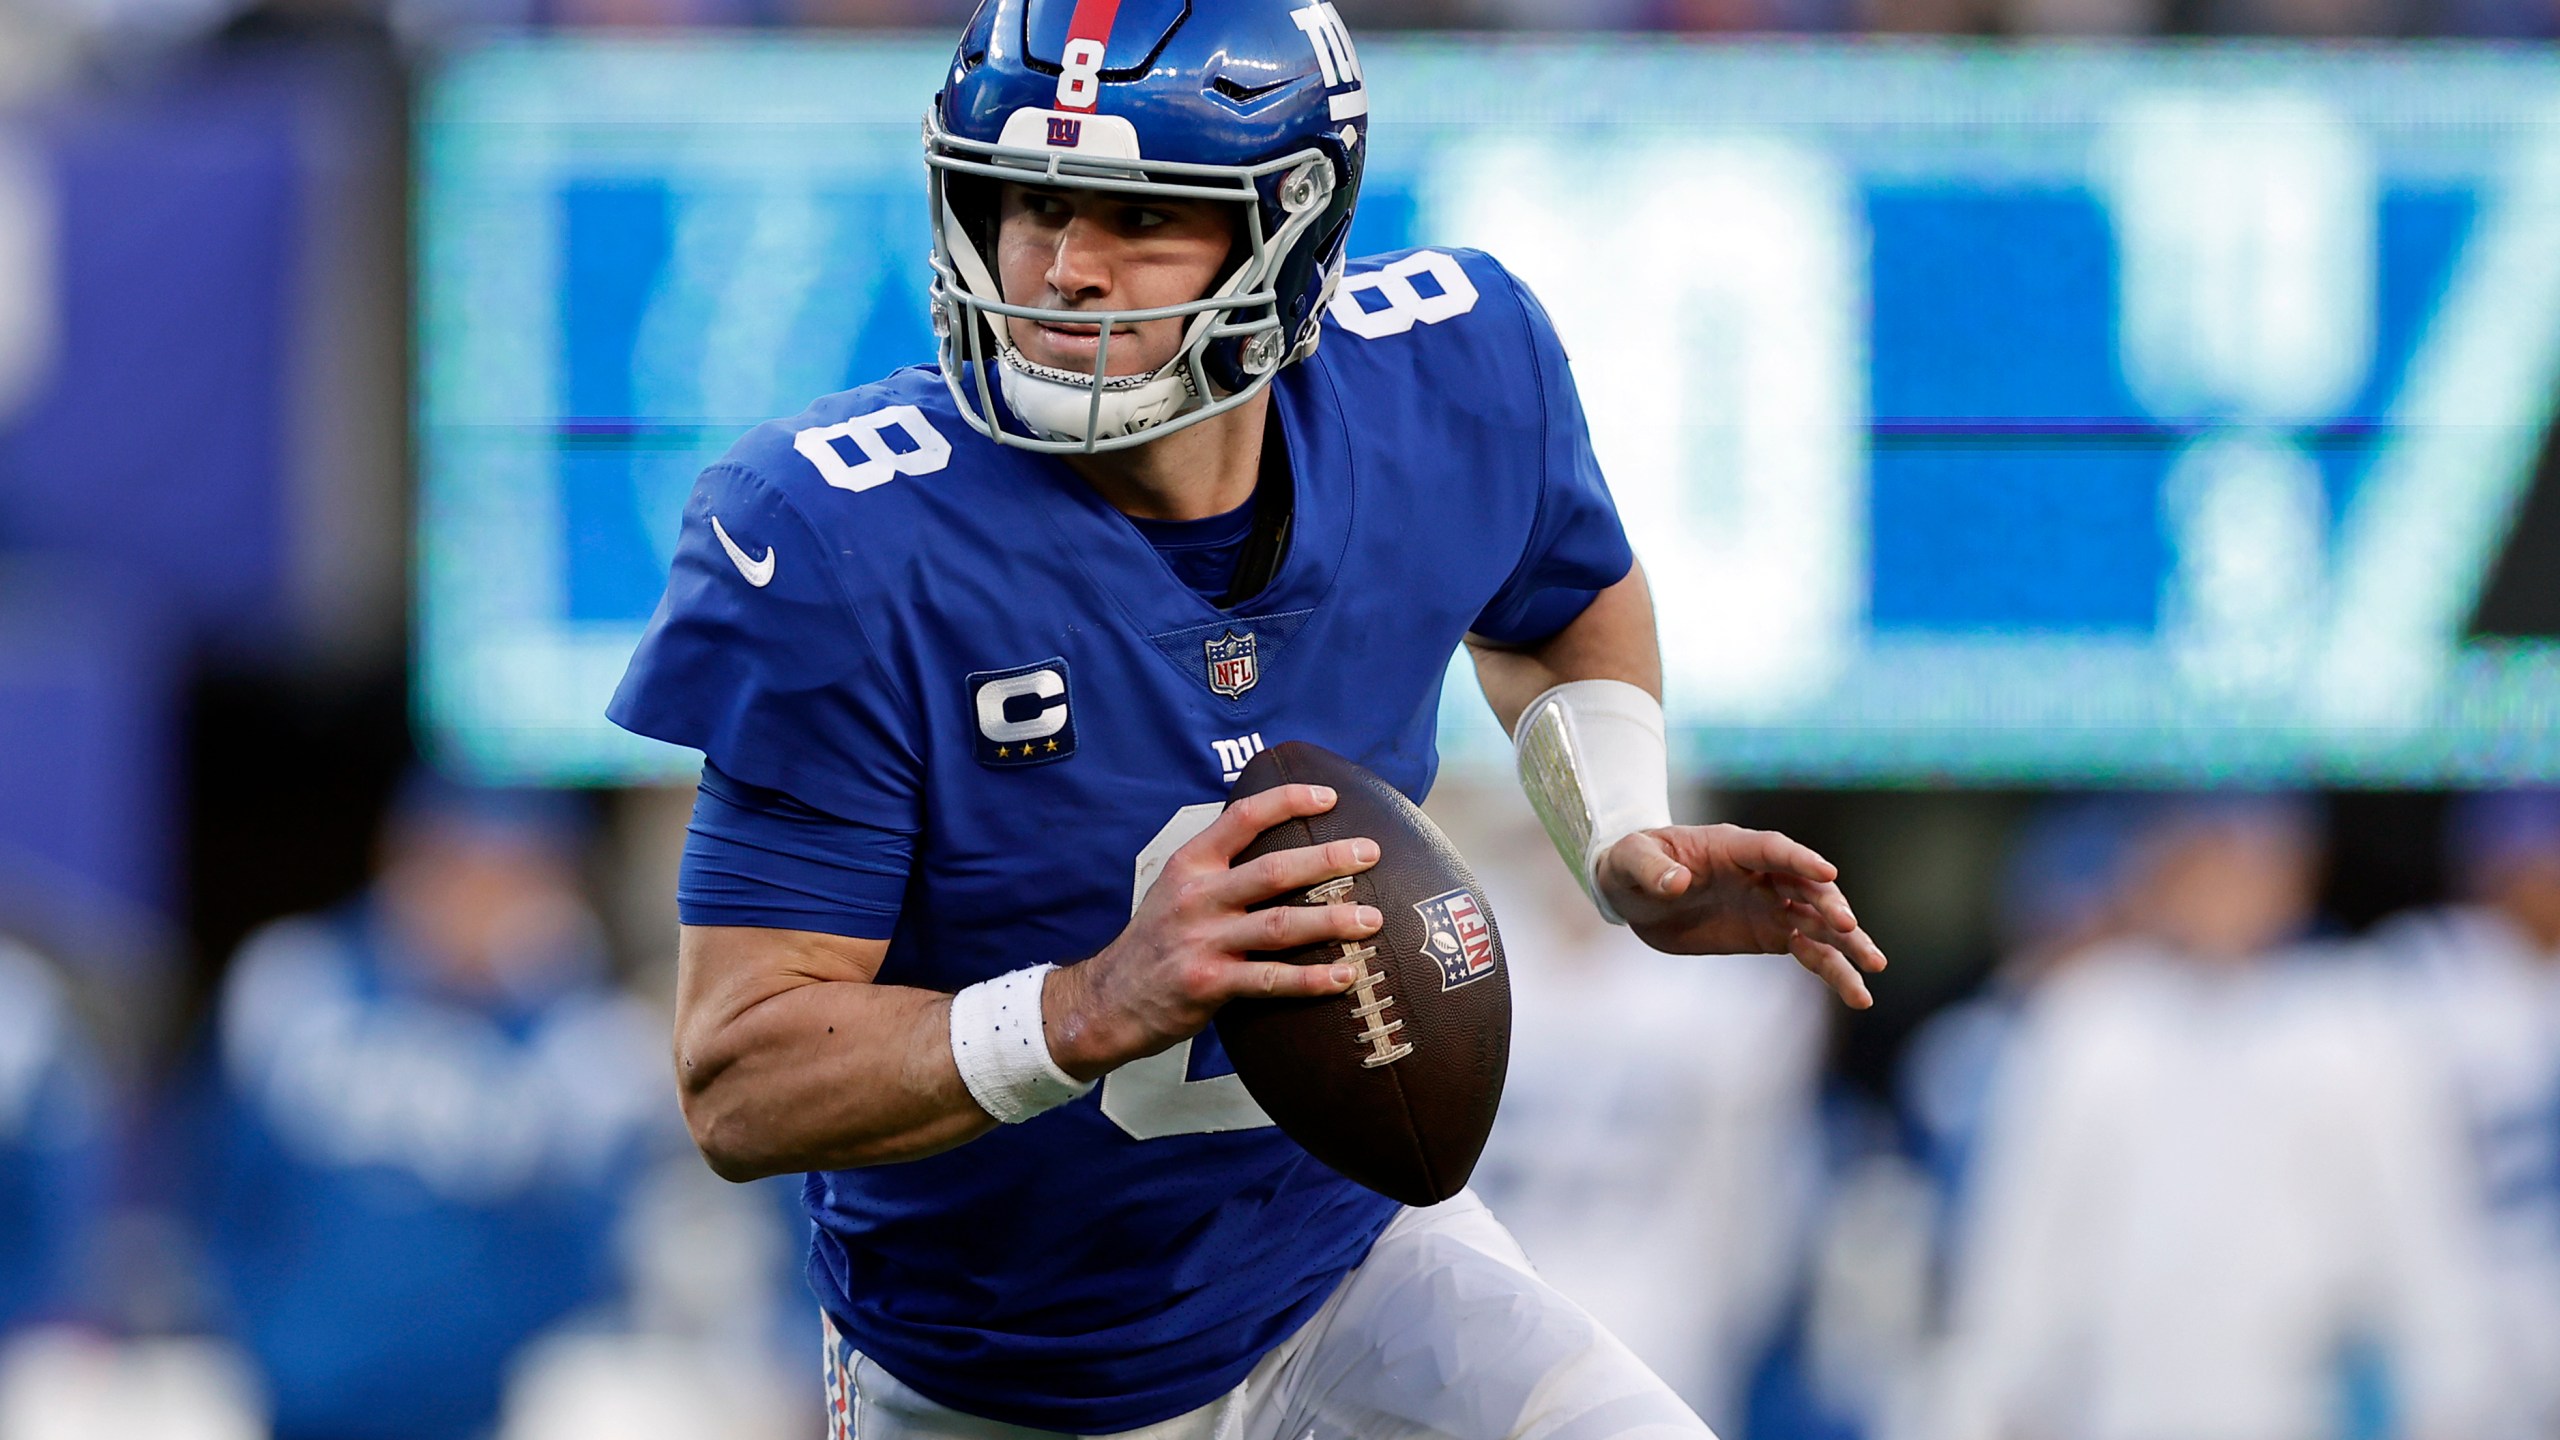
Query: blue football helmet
(1257, 103)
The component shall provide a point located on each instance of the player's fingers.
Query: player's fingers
(1823, 899)
(1857, 944)
(1833, 969)
(1243, 819)
(1642, 864)
(1280, 980)
(1864, 950)
(1768, 851)
(1282, 871)
(1286, 927)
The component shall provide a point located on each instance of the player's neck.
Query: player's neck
(1203, 470)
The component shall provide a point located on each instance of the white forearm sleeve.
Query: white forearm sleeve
(1597, 768)
(1002, 1047)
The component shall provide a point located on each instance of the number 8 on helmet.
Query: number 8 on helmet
(1254, 103)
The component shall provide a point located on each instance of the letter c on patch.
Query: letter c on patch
(1022, 714)
(1048, 720)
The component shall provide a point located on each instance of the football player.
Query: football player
(973, 654)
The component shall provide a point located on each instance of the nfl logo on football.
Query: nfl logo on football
(1232, 670)
(1456, 936)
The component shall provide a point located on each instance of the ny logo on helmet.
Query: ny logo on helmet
(1065, 131)
(1332, 41)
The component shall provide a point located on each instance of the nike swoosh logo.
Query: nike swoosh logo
(759, 573)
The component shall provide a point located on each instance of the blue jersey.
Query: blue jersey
(53, 1145)
(887, 617)
(341, 1204)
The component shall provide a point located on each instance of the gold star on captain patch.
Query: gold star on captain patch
(1053, 747)
(1002, 752)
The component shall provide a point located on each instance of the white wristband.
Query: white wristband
(1002, 1047)
(1597, 768)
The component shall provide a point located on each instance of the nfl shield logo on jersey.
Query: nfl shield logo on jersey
(1232, 669)
(1456, 935)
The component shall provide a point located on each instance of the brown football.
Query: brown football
(1394, 1083)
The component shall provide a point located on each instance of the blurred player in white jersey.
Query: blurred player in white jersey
(2062, 895)
(2213, 1173)
(2485, 991)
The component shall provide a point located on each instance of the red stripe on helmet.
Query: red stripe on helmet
(1092, 21)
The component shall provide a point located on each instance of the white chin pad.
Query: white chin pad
(1596, 766)
(1058, 404)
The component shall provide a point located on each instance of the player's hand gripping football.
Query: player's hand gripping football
(1189, 948)
(1724, 890)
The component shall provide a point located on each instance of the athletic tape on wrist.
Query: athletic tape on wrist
(1002, 1047)
(1597, 768)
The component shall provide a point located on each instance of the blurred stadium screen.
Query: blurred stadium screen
(2086, 415)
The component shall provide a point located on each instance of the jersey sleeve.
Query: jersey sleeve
(758, 857)
(1576, 548)
(758, 659)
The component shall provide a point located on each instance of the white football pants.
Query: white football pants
(1442, 1333)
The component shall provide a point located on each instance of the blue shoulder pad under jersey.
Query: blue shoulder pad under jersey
(968, 639)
